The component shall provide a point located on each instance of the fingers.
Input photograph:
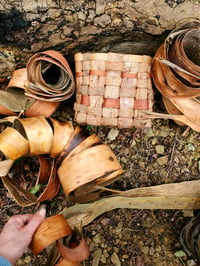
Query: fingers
(18, 221)
(35, 221)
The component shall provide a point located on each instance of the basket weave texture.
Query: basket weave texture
(113, 89)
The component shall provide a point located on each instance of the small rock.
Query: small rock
(27, 259)
(158, 248)
(164, 132)
(145, 250)
(96, 257)
(97, 239)
(105, 253)
(160, 149)
(115, 259)
(191, 263)
(92, 246)
(103, 259)
(142, 165)
(105, 221)
(149, 133)
(113, 133)
(191, 147)
(133, 142)
(100, 6)
(154, 141)
(120, 225)
(81, 15)
(123, 160)
(102, 20)
(151, 251)
(126, 151)
(162, 160)
(188, 213)
(27, 167)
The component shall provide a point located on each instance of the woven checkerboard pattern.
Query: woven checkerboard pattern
(113, 89)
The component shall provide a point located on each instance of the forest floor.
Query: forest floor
(164, 153)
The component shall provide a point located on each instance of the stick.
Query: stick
(82, 214)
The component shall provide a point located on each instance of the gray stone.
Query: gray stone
(113, 133)
(102, 21)
(115, 259)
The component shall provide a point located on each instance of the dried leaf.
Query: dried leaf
(14, 100)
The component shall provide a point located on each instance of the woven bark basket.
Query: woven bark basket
(113, 89)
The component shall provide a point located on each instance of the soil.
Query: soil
(164, 153)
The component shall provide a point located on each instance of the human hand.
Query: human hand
(17, 234)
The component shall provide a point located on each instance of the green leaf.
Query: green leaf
(53, 203)
(180, 253)
(35, 189)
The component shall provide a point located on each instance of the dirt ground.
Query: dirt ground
(164, 153)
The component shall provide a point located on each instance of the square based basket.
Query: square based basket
(113, 89)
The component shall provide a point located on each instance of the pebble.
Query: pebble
(115, 259)
(160, 149)
(154, 141)
(105, 252)
(191, 263)
(103, 259)
(151, 251)
(123, 160)
(97, 239)
(133, 142)
(92, 246)
(102, 20)
(149, 133)
(26, 260)
(145, 250)
(113, 133)
(162, 160)
(105, 221)
(27, 167)
(164, 132)
(96, 257)
(191, 147)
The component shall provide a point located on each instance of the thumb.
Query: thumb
(36, 220)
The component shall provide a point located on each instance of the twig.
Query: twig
(171, 159)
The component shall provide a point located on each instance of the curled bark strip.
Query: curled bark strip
(50, 230)
(40, 83)
(176, 74)
(38, 132)
(40, 87)
(62, 132)
(68, 148)
(5, 166)
(41, 108)
(54, 229)
(13, 144)
(46, 176)
(30, 107)
(190, 238)
(83, 183)
(74, 254)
